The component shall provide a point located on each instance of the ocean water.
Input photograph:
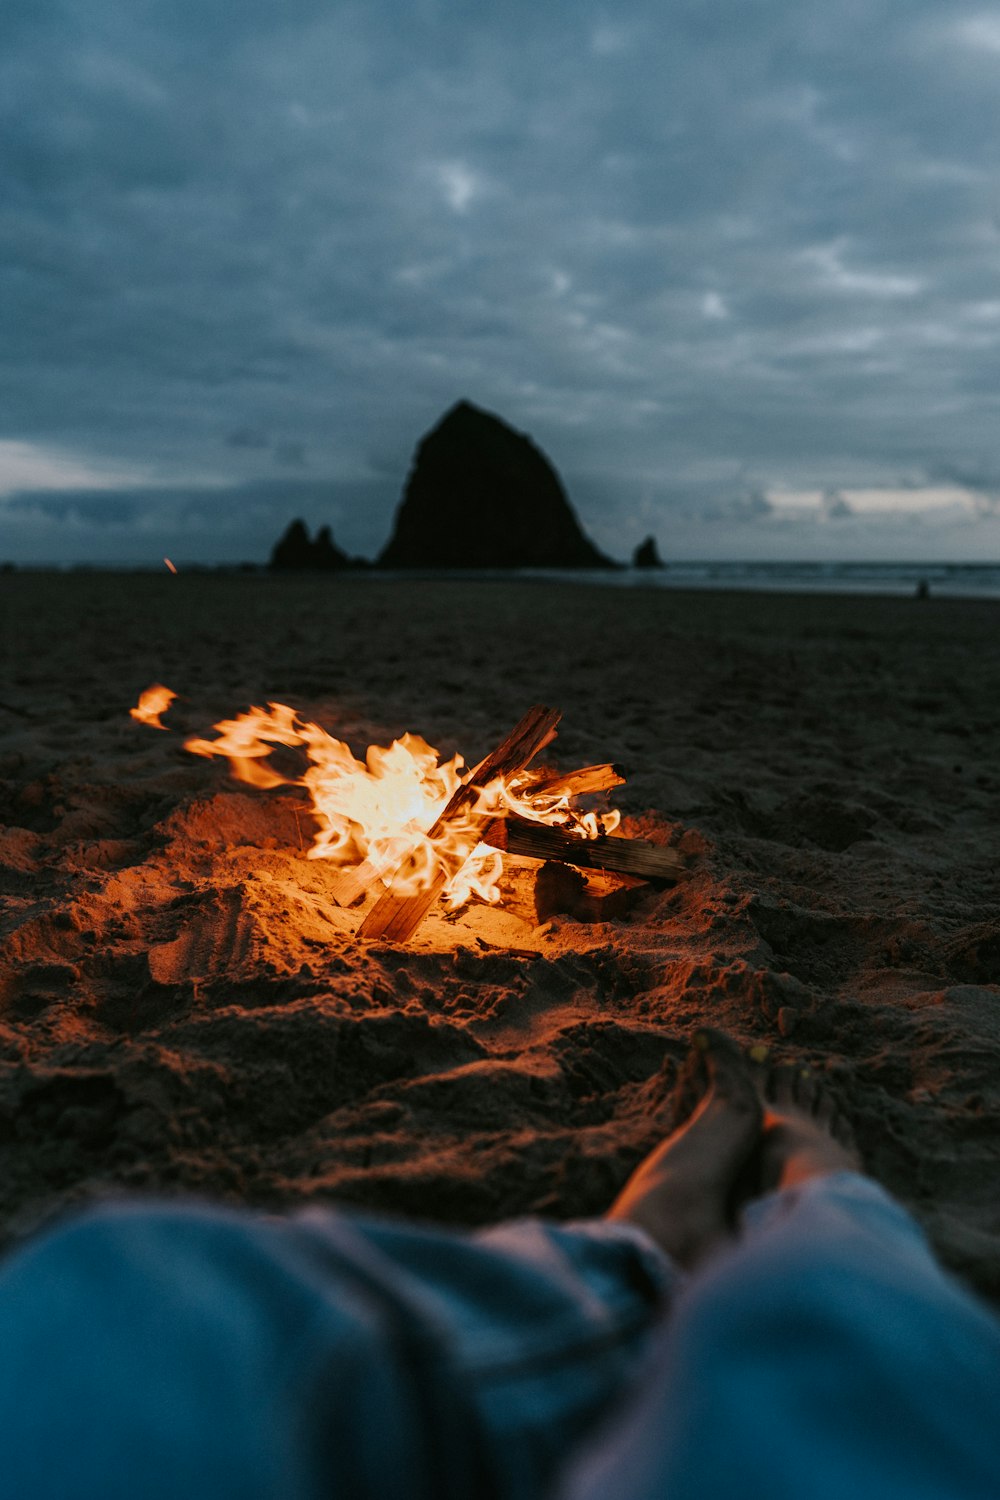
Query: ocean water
(941, 580)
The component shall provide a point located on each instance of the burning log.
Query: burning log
(517, 835)
(570, 783)
(395, 917)
(348, 886)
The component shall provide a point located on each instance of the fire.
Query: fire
(377, 812)
(152, 703)
(556, 808)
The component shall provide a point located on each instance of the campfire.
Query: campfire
(408, 829)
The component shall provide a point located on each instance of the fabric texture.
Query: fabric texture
(826, 1354)
(153, 1350)
(179, 1350)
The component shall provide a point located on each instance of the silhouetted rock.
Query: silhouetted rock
(481, 495)
(326, 553)
(646, 555)
(296, 552)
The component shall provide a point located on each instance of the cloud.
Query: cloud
(656, 238)
(828, 261)
(459, 185)
(978, 475)
(743, 508)
(31, 466)
(290, 455)
(713, 305)
(247, 437)
(87, 509)
(189, 523)
(834, 507)
(982, 32)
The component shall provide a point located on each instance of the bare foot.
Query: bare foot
(681, 1193)
(803, 1134)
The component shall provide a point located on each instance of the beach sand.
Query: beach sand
(182, 1008)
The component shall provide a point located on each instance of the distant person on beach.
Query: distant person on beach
(753, 1318)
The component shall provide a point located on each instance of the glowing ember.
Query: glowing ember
(152, 703)
(376, 812)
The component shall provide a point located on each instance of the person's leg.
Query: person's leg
(826, 1354)
(156, 1350)
(163, 1349)
(681, 1195)
(556, 1362)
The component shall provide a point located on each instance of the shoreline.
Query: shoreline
(980, 581)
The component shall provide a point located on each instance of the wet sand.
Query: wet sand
(182, 1008)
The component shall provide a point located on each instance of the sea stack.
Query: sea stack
(481, 495)
(647, 555)
(295, 552)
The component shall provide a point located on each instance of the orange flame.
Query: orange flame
(152, 703)
(378, 811)
(556, 808)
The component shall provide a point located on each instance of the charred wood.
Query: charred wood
(517, 835)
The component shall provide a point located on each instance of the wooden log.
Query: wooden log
(348, 885)
(596, 896)
(525, 836)
(395, 918)
(570, 783)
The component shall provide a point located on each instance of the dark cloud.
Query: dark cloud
(290, 455)
(189, 523)
(833, 507)
(714, 503)
(247, 437)
(99, 510)
(980, 476)
(699, 252)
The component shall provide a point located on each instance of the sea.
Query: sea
(936, 580)
(950, 580)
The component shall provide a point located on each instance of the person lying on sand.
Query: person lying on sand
(752, 1318)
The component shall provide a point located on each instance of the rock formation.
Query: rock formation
(647, 555)
(296, 552)
(481, 495)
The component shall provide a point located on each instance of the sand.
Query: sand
(183, 1009)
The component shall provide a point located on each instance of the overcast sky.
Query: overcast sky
(734, 266)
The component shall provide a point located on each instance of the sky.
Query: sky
(735, 267)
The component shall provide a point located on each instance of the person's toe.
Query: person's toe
(729, 1076)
